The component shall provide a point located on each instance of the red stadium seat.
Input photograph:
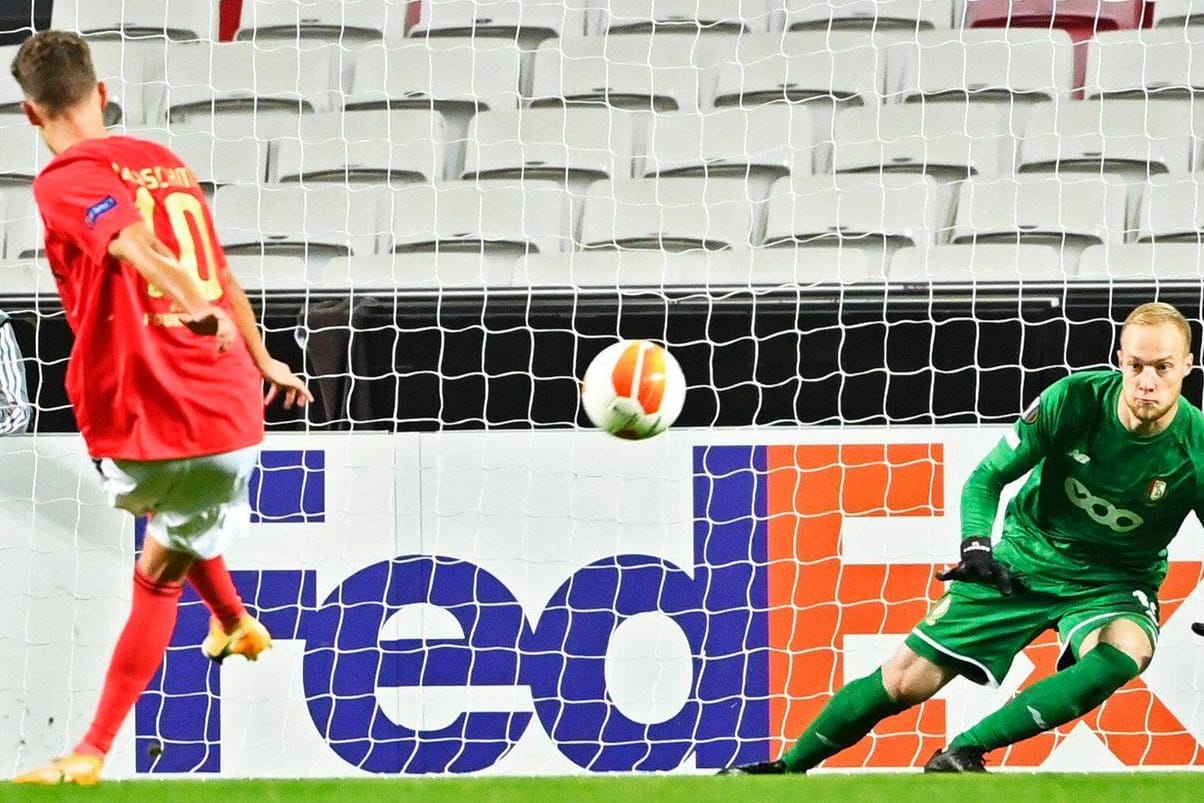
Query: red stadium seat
(1091, 15)
(1082, 19)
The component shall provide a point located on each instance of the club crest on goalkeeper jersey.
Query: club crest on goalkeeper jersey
(1102, 503)
(142, 385)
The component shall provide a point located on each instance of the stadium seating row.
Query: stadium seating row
(1133, 139)
(767, 267)
(375, 19)
(153, 80)
(261, 19)
(877, 213)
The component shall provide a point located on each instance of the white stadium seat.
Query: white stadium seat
(560, 143)
(676, 214)
(204, 79)
(216, 160)
(26, 277)
(631, 71)
(1128, 138)
(980, 262)
(1069, 212)
(1171, 208)
(1157, 63)
(873, 213)
(768, 141)
(1008, 65)
(174, 19)
(11, 97)
(22, 224)
(503, 218)
(688, 16)
(524, 21)
(24, 153)
(907, 15)
(1144, 262)
(268, 272)
(842, 67)
(412, 271)
(480, 73)
(948, 141)
(312, 221)
(452, 75)
(344, 21)
(1178, 13)
(369, 146)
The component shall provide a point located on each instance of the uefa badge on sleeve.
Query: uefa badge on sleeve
(1029, 416)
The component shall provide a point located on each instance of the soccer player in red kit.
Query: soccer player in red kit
(166, 374)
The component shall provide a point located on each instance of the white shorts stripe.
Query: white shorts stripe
(991, 679)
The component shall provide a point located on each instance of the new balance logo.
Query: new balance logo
(1078, 457)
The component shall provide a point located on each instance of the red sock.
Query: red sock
(136, 657)
(212, 581)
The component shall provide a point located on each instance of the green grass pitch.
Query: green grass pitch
(910, 788)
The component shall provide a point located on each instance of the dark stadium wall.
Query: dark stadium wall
(19, 17)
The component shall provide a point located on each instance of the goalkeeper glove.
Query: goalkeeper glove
(978, 565)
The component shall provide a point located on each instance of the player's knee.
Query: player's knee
(1138, 649)
(910, 679)
(1133, 642)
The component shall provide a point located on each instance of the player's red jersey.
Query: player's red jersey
(143, 386)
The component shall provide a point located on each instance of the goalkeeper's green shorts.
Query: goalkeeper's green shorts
(976, 630)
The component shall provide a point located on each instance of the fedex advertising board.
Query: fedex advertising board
(526, 603)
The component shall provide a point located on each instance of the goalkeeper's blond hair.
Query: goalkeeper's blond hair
(1156, 313)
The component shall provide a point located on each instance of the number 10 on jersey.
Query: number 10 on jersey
(186, 213)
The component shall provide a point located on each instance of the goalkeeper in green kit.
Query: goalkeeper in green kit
(1116, 463)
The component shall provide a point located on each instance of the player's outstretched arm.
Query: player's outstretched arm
(138, 246)
(279, 376)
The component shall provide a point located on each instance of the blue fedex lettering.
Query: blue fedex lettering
(720, 604)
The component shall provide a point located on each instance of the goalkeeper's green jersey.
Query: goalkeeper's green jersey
(1101, 503)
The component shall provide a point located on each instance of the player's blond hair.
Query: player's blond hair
(54, 70)
(1156, 313)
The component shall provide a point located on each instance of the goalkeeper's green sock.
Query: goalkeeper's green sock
(1054, 701)
(847, 717)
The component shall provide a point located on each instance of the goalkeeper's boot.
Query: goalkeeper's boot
(957, 759)
(82, 770)
(760, 768)
(249, 639)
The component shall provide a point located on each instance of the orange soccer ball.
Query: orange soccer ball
(633, 389)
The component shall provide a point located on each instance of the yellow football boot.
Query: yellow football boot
(249, 639)
(75, 768)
